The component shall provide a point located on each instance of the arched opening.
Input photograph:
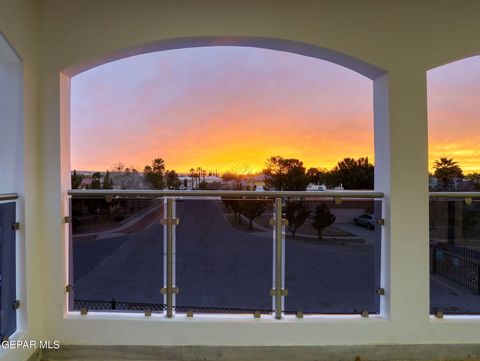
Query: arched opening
(217, 273)
(454, 165)
(11, 136)
(11, 182)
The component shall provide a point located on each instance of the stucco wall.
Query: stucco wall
(404, 38)
(19, 25)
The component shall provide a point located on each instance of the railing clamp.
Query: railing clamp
(468, 201)
(16, 226)
(299, 314)
(67, 219)
(364, 314)
(257, 314)
(282, 292)
(273, 222)
(148, 312)
(381, 221)
(439, 314)
(337, 200)
(189, 313)
(83, 311)
(68, 288)
(174, 222)
(16, 305)
(381, 291)
(164, 290)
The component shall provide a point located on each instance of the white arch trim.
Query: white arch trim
(300, 48)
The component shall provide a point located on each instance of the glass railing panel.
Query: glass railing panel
(332, 256)
(224, 255)
(117, 254)
(8, 320)
(454, 256)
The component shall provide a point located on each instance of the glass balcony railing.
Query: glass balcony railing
(224, 255)
(241, 252)
(117, 253)
(454, 253)
(8, 300)
(335, 269)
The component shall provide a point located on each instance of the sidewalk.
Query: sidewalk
(135, 223)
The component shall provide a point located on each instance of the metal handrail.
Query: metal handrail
(250, 194)
(223, 193)
(8, 197)
(454, 194)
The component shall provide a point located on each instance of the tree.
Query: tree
(322, 219)
(285, 174)
(76, 180)
(352, 174)
(446, 171)
(126, 177)
(234, 205)
(107, 181)
(96, 181)
(474, 178)
(296, 214)
(154, 174)
(231, 176)
(192, 175)
(198, 174)
(173, 182)
(95, 204)
(316, 175)
(251, 209)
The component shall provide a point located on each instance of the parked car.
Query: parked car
(365, 220)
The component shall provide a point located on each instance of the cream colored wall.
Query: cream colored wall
(405, 38)
(19, 25)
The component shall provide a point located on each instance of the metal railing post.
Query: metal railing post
(169, 290)
(278, 292)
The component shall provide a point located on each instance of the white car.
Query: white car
(365, 220)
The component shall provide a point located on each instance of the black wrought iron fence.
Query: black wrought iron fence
(457, 263)
(115, 305)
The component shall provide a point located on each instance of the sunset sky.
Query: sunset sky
(224, 108)
(454, 113)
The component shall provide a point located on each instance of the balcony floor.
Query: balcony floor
(322, 353)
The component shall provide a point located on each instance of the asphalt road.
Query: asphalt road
(219, 266)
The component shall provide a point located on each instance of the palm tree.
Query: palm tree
(192, 175)
(158, 165)
(445, 163)
(199, 174)
(447, 170)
